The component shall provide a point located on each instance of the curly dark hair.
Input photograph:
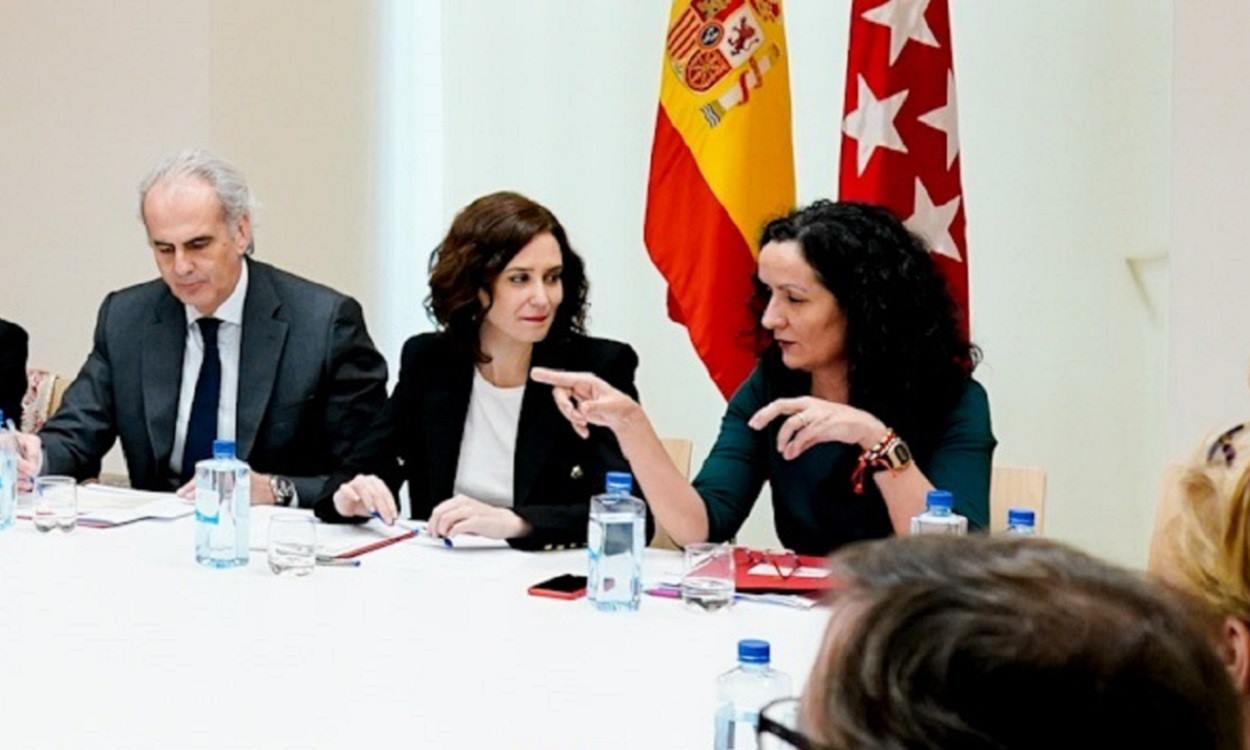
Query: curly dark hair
(483, 238)
(908, 358)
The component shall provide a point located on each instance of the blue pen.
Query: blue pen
(378, 516)
(446, 542)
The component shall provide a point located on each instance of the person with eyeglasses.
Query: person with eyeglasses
(1202, 545)
(984, 643)
(862, 401)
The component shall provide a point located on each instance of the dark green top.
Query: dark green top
(814, 507)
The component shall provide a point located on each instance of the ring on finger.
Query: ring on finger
(802, 419)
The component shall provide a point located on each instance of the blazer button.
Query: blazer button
(576, 473)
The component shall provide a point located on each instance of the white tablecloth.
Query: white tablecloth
(116, 638)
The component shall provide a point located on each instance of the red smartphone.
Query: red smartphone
(567, 586)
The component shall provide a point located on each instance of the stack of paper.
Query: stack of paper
(105, 507)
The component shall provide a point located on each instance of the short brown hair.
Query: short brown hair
(980, 642)
(483, 238)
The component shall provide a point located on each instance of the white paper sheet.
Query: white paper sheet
(337, 538)
(113, 506)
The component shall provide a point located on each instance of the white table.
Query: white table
(115, 637)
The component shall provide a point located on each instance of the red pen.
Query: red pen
(377, 545)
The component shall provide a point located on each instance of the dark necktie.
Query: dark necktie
(202, 426)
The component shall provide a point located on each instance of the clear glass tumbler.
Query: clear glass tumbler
(292, 544)
(54, 503)
(707, 582)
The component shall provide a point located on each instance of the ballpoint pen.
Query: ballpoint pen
(322, 559)
(331, 561)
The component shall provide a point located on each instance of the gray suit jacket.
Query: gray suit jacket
(310, 379)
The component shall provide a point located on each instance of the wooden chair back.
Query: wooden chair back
(1017, 487)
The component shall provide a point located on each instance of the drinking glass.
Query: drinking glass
(55, 503)
(707, 582)
(292, 544)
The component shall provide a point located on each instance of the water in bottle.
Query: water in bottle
(223, 501)
(615, 539)
(743, 691)
(1021, 522)
(8, 473)
(938, 518)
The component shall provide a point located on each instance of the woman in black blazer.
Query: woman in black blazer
(12, 371)
(483, 448)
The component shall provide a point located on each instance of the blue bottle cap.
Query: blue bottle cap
(939, 499)
(223, 449)
(753, 651)
(621, 482)
(1020, 517)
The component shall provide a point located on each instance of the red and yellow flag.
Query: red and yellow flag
(722, 165)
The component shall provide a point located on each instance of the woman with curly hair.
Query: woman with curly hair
(483, 449)
(861, 404)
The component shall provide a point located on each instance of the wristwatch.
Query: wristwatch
(283, 490)
(889, 453)
(894, 454)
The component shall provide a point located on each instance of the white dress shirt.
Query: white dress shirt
(229, 333)
(488, 447)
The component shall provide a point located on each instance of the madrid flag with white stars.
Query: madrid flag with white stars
(900, 138)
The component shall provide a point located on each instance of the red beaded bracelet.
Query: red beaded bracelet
(872, 457)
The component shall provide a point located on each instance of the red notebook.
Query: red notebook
(768, 570)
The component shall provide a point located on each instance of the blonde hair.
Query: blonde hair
(1210, 535)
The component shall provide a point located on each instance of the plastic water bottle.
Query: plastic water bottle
(742, 692)
(8, 473)
(1021, 522)
(938, 518)
(223, 502)
(615, 539)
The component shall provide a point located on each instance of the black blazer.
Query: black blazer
(12, 370)
(416, 438)
(310, 380)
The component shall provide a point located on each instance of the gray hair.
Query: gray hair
(225, 179)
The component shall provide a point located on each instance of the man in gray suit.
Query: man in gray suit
(222, 346)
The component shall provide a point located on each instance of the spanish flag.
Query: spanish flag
(722, 165)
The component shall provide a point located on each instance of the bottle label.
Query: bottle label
(735, 730)
(594, 536)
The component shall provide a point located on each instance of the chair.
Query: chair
(1017, 487)
(44, 391)
(679, 451)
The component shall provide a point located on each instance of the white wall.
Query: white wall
(93, 94)
(294, 102)
(1064, 120)
(1210, 340)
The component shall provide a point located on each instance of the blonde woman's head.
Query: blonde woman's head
(1209, 534)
